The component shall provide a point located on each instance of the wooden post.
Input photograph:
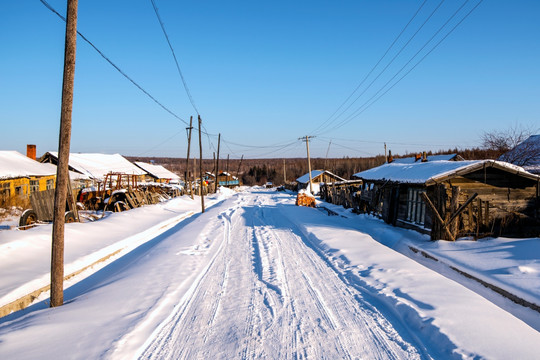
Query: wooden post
(306, 139)
(284, 173)
(200, 165)
(227, 171)
(437, 216)
(238, 171)
(214, 171)
(480, 220)
(62, 172)
(188, 183)
(454, 202)
(217, 161)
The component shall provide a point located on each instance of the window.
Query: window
(416, 208)
(34, 186)
(19, 190)
(50, 184)
(5, 191)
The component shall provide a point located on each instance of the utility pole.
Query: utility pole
(214, 171)
(200, 165)
(188, 183)
(306, 139)
(385, 156)
(217, 161)
(238, 172)
(62, 174)
(284, 173)
(227, 170)
(326, 158)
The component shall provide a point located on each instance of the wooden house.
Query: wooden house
(20, 176)
(95, 167)
(158, 173)
(226, 179)
(451, 199)
(526, 154)
(317, 177)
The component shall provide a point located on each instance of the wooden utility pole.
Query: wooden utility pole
(200, 165)
(306, 139)
(62, 174)
(238, 171)
(188, 183)
(227, 170)
(214, 171)
(217, 161)
(284, 173)
(326, 158)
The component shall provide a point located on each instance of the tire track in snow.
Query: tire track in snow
(266, 294)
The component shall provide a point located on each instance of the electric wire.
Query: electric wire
(174, 56)
(387, 65)
(115, 66)
(374, 66)
(367, 106)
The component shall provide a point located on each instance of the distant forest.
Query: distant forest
(260, 171)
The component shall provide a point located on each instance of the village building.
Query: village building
(526, 154)
(158, 173)
(422, 157)
(451, 199)
(20, 176)
(227, 180)
(317, 177)
(95, 167)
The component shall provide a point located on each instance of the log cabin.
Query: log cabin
(451, 199)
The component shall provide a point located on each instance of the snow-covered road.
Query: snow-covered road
(256, 277)
(268, 295)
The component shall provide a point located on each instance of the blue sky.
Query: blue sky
(264, 74)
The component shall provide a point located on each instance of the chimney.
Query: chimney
(31, 151)
(424, 157)
(390, 157)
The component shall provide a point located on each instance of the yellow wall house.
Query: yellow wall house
(20, 176)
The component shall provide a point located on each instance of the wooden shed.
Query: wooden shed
(226, 179)
(158, 173)
(317, 177)
(94, 166)
(451, 199)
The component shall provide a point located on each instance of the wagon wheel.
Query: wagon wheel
(28, 218)
(69, 217)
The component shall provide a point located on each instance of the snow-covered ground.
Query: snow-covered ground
(257, 277)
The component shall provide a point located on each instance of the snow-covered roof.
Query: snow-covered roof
(434, 171)
(96, 166)
(13, 164)
(526, 154)
(157, 171)
(304, 179)
(413, 159)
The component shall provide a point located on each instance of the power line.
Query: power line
(390, 62)
(174, 56)
(115, 66)
(374, 67)
(357, 112)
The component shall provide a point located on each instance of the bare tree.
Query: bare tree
(510, 145)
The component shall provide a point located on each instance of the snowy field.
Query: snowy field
(257, 277)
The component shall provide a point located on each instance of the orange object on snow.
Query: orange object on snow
(303, 199)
